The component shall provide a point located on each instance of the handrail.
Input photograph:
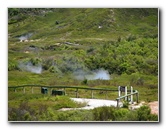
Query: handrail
(79, 87)
(121, 97)
(75, 87)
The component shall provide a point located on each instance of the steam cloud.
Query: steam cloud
(101, 74)
(25, 37)
(30, 67)
(92, 75)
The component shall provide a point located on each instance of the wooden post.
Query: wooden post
(106, 95)
(118, 102)
(32, 89)
(131, 95)
(77, 93)
(125, 92)
(24, 90)
(137, 97)
(92, 94)
(65, 90)
(51, 91)
(15, 90)
(119, 91)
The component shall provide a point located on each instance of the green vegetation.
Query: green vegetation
(123, 114)
(38, 107)
(60, 46)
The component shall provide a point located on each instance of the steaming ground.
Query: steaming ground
(78, 74)
(30, 68)
(25, 37)
(92, 75)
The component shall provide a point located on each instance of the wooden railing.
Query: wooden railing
(64, 88)
(135, 92)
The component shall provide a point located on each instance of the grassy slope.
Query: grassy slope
(80, 26)
(115, 22)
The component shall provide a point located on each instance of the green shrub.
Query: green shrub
(125, 104)
(64, 102)
(120, 113)
(85, 81)
(131, 38)
(104, 113)
(153, 117)
(12, 65)
(144, 114)
(27, 116)
(123, 114)
(75, 115)
(47, 63)
(35, 61)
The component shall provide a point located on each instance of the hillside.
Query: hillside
(82, 23)
(91, 47)
(68, 40)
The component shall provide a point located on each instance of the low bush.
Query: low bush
(123, 114)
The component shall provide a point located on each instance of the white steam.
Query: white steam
(92, 75)
(25, 37)
(30, 67)
(101, 74)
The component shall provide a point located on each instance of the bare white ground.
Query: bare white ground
(92, 103)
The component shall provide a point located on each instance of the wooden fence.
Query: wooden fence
(134, 92)
(106, 90)
(127, 96)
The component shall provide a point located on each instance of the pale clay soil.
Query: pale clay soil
(154, 107)
(93, 103)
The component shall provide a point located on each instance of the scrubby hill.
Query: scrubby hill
(81, 23)
(67, 45)
(88, 47)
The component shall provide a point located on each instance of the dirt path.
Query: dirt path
(92, 103)
(154, 107)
